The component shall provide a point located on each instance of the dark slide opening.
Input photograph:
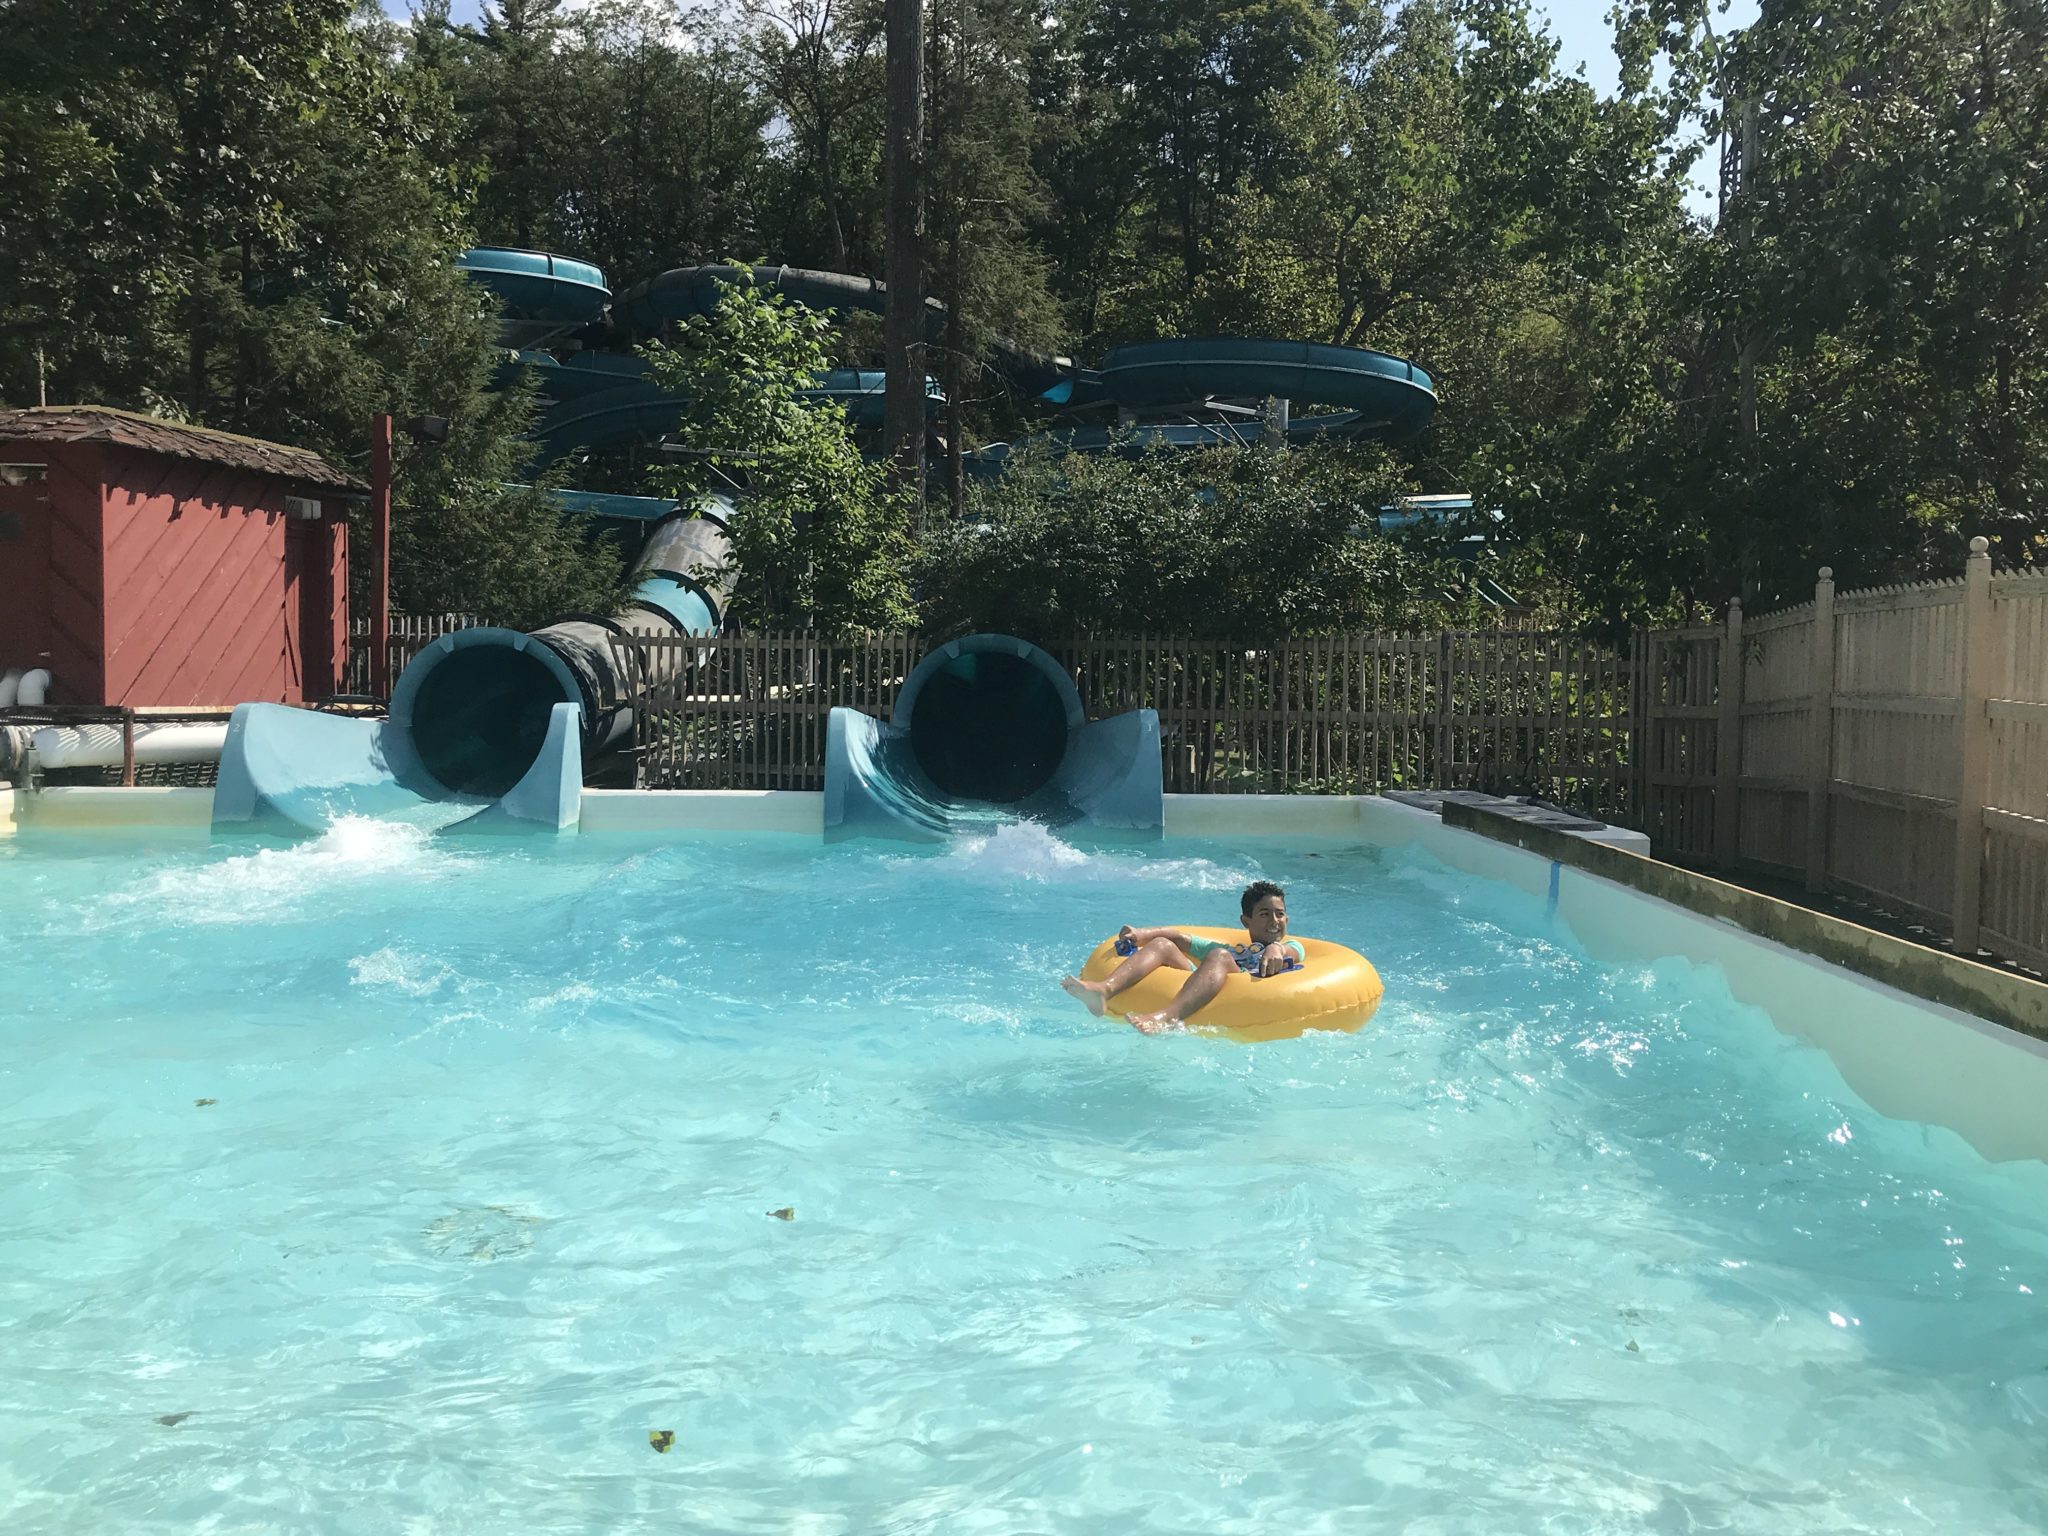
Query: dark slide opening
(988, 726)
(480, 718)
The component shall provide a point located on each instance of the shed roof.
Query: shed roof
(104, 424)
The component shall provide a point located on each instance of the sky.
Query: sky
(1580, 27)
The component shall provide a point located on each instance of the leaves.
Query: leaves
(819, 538)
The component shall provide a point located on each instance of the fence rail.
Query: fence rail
(1889, 745)
(1514, 711)
(411, 633)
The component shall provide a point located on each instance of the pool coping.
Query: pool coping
(1904, 1055)
(2017, 1002)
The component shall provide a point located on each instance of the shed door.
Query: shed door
(24, 563)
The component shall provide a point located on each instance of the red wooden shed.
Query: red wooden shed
(144, 562)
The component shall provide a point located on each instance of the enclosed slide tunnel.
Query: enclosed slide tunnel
(487, 726)
(477, 701)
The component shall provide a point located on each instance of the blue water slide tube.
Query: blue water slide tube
(989, 721)
(675, 295)
(1396, 398)
(537, 287)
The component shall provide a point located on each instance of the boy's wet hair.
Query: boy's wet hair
(1255, 893)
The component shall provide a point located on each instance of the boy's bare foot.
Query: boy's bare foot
(1154, 1023)
(1089, 992)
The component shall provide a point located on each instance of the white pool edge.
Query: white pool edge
(1906, 1057)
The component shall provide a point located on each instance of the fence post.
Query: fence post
(1441, 778)
(1728, 744)
(1820, 765)
(1973, 782)
(1639, 725)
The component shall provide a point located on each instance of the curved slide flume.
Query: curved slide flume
(989, 723)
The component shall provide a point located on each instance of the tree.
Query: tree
(271, 212)
(903, 325)
(512, 100)
(1185, 110)
(618, 132)
(1898, 272)
(818, 538)
(820, 62)
(988, 269)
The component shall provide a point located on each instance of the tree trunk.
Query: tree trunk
(903, 322)
(828, 194)
(956, 385)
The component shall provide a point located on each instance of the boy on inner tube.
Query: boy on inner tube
(1263, 910)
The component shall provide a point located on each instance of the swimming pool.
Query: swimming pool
(379, 1183)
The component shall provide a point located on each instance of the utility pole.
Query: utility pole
(380, 555)
(903, 323)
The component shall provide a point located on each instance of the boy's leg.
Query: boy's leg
(1136, 966)
(1196, 992)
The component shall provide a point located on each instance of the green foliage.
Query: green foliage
(246, 218)
(1227, 542)
(607, 130)
(818, 539)
(820, 63)
(1883, 268)
(242, 213)
(985, 265)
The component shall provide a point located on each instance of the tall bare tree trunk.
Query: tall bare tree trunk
(956, 386)
(903, 323)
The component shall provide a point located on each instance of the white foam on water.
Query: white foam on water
(416, 974)
(287, 882)
(1025, 850)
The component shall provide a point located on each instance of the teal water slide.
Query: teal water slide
(989, 723)
(490, 727)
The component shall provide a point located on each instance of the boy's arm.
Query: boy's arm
(1139, 936)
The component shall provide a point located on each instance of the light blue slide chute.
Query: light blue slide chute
(297, 770)
(989, 722)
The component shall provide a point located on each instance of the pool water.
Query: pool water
(383, 1183)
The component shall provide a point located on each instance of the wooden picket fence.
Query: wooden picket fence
(1510, 712)
(411, 633)
(1888, 745)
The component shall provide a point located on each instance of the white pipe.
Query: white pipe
(99, 746)
(34, 688)
(10, 684)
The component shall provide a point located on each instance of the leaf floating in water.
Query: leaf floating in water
(787, 1213)
(661, 1439)
(1634, 1348)
(173, 1418)
(203, 1103)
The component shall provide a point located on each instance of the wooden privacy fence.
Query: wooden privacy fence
(1509, 712)
(1890, 745)
(410, 634)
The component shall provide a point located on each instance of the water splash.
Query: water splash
(1025, 850)
(275, 883)
(417, 975)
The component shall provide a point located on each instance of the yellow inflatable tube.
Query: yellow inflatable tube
(1336, 989)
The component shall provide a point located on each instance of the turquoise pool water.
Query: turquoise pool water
(479, 1196)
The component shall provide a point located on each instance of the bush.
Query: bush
(1223, 542)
